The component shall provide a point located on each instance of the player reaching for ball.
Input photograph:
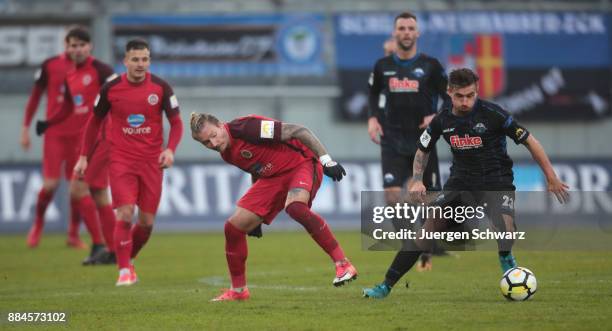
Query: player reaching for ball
(286, 162)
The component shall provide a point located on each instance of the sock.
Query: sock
(90, 216)
(107, 220)
(236, 251)
(75, 219)
(44, 198)
(123, 243)
(318, 229)
(403, 261)
(503, 253)
(140, 236)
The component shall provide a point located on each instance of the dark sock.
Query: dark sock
(504, 253)
(403, 261)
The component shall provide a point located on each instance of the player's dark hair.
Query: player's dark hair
(405, 15)
(198, 120)
(460, 78)
(137, 43)
(79, 33)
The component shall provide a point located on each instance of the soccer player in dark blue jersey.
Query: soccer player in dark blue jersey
(476, 131)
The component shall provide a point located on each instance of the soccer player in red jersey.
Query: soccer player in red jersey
(282, 158)
(81, 87)
(58, 143)
(135, 102)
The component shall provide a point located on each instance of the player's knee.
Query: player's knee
(297, 210)
(50, 185)
(125, 213)
(100, 196)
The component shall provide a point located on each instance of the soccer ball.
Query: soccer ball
(518, 284)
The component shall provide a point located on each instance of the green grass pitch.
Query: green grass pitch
(290, 282)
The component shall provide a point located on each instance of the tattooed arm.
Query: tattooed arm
(420, 163)
(290, 131)
(331, 168)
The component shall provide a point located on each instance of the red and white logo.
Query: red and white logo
(153, 99)
(465, 142)
(86, 79)
(403, 85)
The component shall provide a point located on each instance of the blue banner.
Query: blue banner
(226, 45)
(539, 65)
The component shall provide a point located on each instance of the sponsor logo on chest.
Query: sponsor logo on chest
(465, 142)
(403, 85)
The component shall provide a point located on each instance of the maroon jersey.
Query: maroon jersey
(256, 147)
(136, 115)
(83, 84)
(50, 79)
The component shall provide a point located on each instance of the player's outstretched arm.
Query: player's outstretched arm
(294, 131)
(555, 185)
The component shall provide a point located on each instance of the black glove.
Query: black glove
(256, 232)
(41, 126)
(334, 170)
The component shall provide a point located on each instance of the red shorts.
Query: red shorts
(136, 183)
(267, 196)
(58, 150)
(96, 175)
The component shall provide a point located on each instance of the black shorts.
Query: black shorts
(495, 203)
(397, 169)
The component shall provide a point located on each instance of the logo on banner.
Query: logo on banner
(485, 55)
(300, 43)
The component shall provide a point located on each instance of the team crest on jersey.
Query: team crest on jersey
(246, 154)
(153, 99)
(418, 72)
(86, 79)
(403, 85)
(479, 128)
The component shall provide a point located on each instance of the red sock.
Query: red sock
(90, 216)
(107, 220)
(44, 198)
(123, 243)
(75, 219)
(318, 229)
(236, 252)
(140, 236)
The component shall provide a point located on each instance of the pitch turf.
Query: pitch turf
(290, 281)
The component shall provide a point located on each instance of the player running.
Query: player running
(135, 102)
(476, 131)
(286, 162)
(58, 144)
(81, 86)
(405, 86)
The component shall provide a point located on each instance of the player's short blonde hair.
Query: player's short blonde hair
(198, 120)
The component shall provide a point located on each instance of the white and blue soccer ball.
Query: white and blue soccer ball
(518, 284)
